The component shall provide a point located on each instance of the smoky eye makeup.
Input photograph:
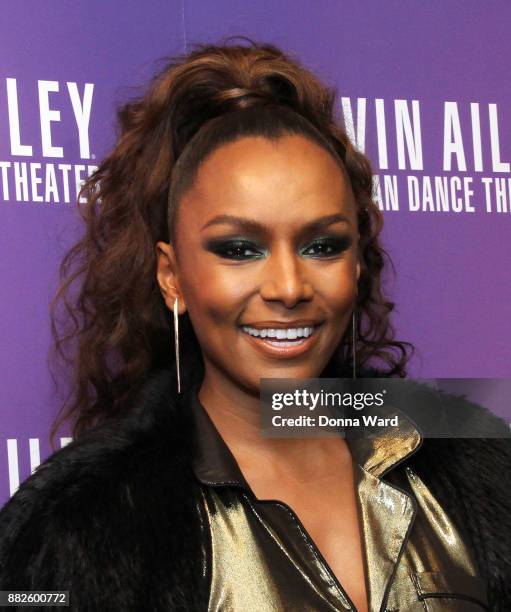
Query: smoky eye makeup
(235, 248)
(328, 246)
(243, 249)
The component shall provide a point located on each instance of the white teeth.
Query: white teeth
(291, 333)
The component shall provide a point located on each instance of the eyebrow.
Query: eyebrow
(247, 224)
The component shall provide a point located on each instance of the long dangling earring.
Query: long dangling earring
(353, 349)
(176, 344)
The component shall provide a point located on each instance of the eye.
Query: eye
(236, 249)
(328, 247)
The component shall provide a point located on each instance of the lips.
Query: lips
(283, 348)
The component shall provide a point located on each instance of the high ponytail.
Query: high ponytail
(116, 328)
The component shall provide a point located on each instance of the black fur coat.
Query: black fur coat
(113, 518)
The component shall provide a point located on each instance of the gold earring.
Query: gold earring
(353, 349)
(176, 344)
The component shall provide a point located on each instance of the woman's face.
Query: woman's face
(266, 247)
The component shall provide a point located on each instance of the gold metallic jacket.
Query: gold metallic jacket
(262, 559)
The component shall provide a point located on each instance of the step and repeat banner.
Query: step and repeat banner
(423, 91)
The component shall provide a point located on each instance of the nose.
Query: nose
(284, 279)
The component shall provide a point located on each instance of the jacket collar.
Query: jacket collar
(379, 454)
(213, 461)
(214, 464)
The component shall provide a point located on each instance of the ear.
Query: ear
(358, 268)
(167, 277)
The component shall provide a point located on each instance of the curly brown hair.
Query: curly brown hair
(116, 328)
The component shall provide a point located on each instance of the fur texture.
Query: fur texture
(113, 517)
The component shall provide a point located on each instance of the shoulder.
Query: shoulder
(50, 528)
(471, 478)
(466, 447)
(104, 501)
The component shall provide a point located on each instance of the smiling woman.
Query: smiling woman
(231, 236)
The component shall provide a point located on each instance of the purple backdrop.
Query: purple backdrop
(435, 73)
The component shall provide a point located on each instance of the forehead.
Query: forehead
(273, 180)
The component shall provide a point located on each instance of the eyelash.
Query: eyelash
(336, 244)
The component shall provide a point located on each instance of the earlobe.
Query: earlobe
(166, 276)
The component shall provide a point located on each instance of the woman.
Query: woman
(231, 237)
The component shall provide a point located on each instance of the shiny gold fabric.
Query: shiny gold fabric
(260, 557)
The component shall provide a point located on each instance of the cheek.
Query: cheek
(213, 295)
(338, 287)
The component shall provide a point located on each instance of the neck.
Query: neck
(235, 412)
